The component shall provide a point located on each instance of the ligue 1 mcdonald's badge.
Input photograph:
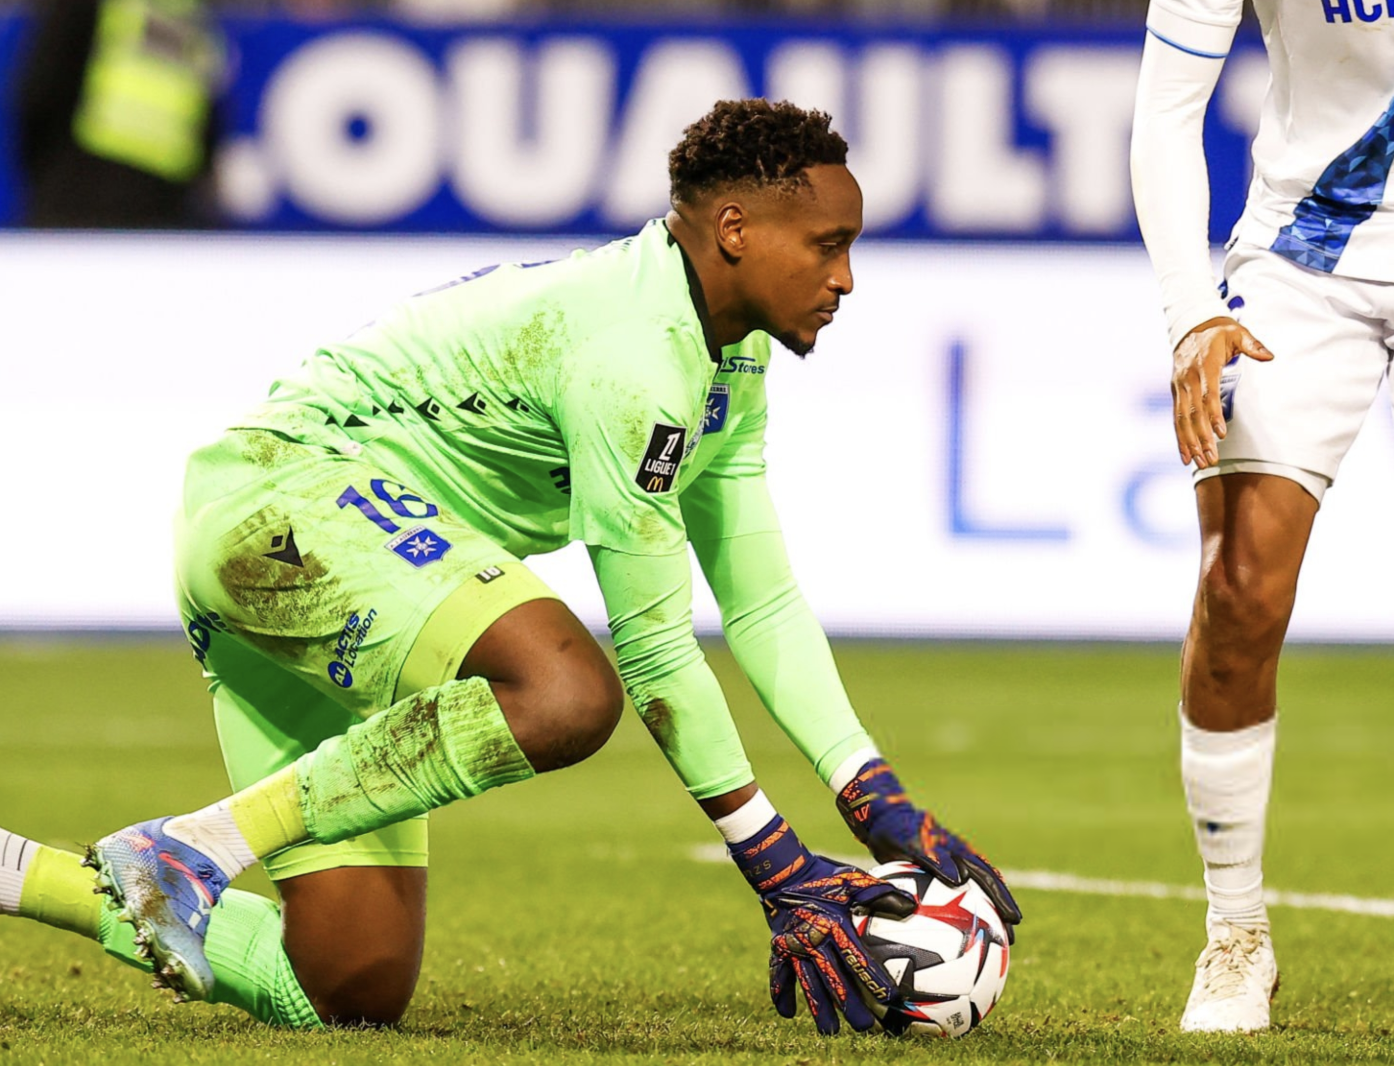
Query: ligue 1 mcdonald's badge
(658, 471)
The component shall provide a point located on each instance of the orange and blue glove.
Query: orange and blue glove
(813, 944)
(880, 815)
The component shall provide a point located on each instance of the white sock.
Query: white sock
(1228, 777)
(848, 768)
(746, 820)
(15, 853)
(214, 832)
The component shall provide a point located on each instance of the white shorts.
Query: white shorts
(1331, 338)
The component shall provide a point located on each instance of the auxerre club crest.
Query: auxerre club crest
(419, 546)
(658, 472)
(718, 403)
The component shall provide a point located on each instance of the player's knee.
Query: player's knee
(575, 714)
(605, 706)
(558, 691)
(368, 982)
(1243, 608)
(354, 938)
(372, 996)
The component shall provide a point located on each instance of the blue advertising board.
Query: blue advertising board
(10, 30)
(565, 127)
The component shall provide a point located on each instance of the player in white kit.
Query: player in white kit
(1273, 374)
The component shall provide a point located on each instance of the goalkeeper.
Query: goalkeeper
(349, 565)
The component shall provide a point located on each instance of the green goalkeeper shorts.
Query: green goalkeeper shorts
(317, 591)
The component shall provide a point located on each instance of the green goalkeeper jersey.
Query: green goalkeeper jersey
(582, 400)
(543, 403)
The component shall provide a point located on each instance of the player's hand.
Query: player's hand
(880, 815)
(1195, 385)
(814, 946)
(948, 857)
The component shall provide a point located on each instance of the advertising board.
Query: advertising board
(983, 134)
(980, 446)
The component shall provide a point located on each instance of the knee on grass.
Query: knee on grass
(372, 993)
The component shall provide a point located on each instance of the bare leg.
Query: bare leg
(558, 692)
(1254, 532)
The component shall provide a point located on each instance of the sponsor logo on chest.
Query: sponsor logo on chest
(741, 364)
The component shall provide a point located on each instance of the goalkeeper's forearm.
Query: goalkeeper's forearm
(782, 649)
(667, 677)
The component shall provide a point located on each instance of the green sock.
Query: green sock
(243, 945)
(440, 744)
(248, 959)
(57, 891)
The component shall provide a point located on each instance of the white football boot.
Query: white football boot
(1236, 978)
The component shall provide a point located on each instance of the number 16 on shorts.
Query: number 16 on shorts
(418, 544)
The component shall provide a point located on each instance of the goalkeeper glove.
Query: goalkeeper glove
(880, 815)
(808, 904)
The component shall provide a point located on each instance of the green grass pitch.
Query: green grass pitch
(570, 923)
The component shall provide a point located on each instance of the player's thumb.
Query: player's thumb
(886, 901)
(1253, 347)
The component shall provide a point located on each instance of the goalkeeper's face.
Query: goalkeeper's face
(798, 263)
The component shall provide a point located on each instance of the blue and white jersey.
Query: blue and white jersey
(1321, 194)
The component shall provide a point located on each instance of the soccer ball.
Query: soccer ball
(948, 959)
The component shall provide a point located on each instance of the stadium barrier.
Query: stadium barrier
(980, 446)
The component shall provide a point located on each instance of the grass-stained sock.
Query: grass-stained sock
(437, 745)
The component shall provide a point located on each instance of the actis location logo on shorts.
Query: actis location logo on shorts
(351, 638)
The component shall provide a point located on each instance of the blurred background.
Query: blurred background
(978, 456)
(193, 196)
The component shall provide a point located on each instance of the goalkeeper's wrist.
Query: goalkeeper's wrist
(746, 820)
(851, 766)
(772, 856)
(872, 793)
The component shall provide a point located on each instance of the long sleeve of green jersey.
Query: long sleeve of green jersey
(649, 602)
(629, 420)
(769, 626)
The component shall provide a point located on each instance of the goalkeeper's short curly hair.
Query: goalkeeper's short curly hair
(751, 142)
